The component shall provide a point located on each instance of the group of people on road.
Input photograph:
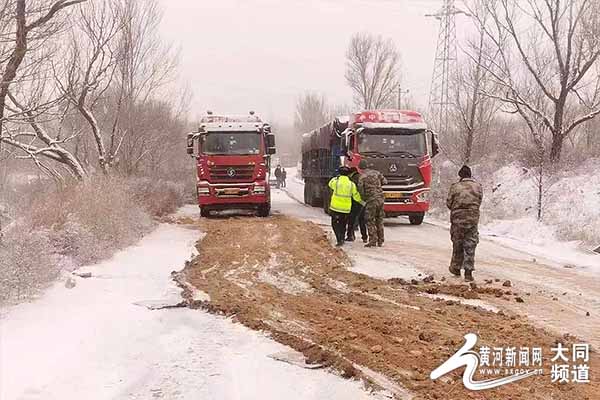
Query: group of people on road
(280, 176)
(357, 201)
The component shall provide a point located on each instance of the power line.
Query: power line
(440, 100)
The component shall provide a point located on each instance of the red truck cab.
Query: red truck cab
(399, 145)
(233, 163)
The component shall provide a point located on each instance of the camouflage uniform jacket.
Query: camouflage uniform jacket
(464, 200)
(370, 186)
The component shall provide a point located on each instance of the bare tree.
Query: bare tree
(146, 67)
(551, 47)
(89, 70)
(24, 24)
(474, 112)
(312, 111)
(21, 41)
(372, 69)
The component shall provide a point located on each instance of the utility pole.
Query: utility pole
(440, 99)
(400, 93)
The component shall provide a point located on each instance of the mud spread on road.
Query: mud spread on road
(282, 276)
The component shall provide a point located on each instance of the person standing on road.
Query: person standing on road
(283, 177)
(357, 214)
(278, 176)
(370, 185)
(343, 192)
(464, 201)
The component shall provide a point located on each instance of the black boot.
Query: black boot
(453, 271)
(469, 276)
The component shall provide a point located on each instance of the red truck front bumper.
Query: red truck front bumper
(232, 196)
(406, 203)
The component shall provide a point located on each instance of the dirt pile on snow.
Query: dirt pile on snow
(282, 275)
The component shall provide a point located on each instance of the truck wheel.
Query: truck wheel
(307, 192)
(416, 219)
(316, 196)
(264, 210)
(318, 200)
(204, 212)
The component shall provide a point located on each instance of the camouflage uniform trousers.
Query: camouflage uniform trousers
(374, 215)
(464, 242)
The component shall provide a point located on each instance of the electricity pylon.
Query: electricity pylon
(440, 97)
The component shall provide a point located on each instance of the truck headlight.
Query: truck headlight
(203, 191)
(423, 197)
(259, 189)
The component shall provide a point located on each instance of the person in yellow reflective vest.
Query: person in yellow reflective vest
(343, 192)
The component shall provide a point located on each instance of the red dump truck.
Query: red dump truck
(395, 142)
(233, 163)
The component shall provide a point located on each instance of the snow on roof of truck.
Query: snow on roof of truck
(379, 125)
(230, 118)
(231, 127)
(231, 123)
(386, 117)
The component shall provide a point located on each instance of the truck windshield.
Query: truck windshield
(230, 143)
(392, 142)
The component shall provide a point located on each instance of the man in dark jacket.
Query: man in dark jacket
(357, 215)
(370, 185)
(278, 176)
(464, 201)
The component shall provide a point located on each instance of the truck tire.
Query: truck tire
(264, 210)
(310, 194)
(307, 198)
(416, 219)
(318, 200)
(204, 212)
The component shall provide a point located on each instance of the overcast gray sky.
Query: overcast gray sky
(261, 54)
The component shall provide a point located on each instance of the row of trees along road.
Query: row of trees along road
(536, 60)
(373, 66)
(83, 87)
(527, 84)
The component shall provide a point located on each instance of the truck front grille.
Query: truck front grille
(232, 172)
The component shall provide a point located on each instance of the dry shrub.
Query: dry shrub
(28, 261)
(75, 225)
(158, 197)
(90, 221)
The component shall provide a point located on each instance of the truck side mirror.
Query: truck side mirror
(345, 141)
(270, 144)
(190, 143)
(435, 144)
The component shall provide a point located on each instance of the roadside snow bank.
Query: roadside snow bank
(571, 210)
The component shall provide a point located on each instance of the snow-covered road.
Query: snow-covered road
(98, 341)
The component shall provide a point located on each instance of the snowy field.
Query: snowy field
(98, 340)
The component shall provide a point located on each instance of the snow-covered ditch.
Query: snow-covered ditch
(99, 340)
